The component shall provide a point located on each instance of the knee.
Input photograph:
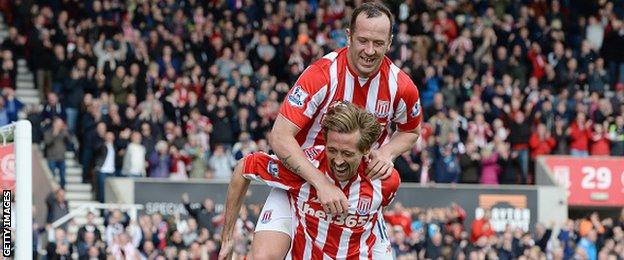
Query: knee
(265, 254)
(269, 246)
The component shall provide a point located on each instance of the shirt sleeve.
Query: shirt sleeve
(306, 97)
(408, 112)
(269, 170)
(389, 187)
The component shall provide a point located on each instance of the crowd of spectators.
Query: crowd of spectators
(181, 89)
(441, 233)
(414, 233)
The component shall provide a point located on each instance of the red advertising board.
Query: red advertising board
(7, 167)
(591, 181)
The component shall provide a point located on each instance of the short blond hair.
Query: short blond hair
(344, 117)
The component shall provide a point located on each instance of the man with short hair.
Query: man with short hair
(361, 74)
(350, 132)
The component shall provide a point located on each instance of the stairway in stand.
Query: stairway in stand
(77, 193)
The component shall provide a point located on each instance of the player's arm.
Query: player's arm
(235, 197)
(382, 159)
(288, 151)
(399, 143)
(389, 187)
(408, 117)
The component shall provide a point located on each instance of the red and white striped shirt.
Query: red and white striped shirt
(389, 94)
(316, 234)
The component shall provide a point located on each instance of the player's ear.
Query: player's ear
(348, 35)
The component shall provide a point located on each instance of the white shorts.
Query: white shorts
(276, 215)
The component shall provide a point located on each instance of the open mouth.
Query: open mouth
(368, 61)
(341, 169)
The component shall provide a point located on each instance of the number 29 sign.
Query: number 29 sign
(591, 181)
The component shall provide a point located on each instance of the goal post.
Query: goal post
(20, 134)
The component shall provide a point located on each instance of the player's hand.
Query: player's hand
(226, 249)
(332, 198)
(380, 165)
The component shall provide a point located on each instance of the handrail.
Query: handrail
(132, 208)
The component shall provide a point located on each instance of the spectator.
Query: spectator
(122, 247)
(490, 170)
(561, 136)
(222, 163)
(222, 126)
(12, 105)
(470, 162)
(89, 241)
(177, 167)
(56, 140)
(159, 161)
(446, 163)
(73, 92)
(105, 162)
(541, 142)
(59, 248)
(580, 134)
(244, 146)
(407, 167)
(4, 113)
(53, 108)
(481, 227)
(588, 245)
(91, 227)
(57, 205)
(197, 157)
(204, 214)
(134, 157)
(509, 164)
(599, 141)
(480, 131)
(616, 136)
(107, 55)
(542, 236)
(520, 132)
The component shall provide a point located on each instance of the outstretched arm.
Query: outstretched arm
(235, 197)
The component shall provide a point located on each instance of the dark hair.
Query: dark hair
(371, 9)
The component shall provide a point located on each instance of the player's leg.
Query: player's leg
(273, 233)
(382, 248)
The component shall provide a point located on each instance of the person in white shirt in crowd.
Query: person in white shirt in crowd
(134, 158)
(105, 163)
(221, 163)
(122, 248)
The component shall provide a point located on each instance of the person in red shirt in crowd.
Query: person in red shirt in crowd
(600, 144)
(541, 142)
(538, 61)
(481, 227)
(447, 25)
(580, 134)
(399, 216)
(456, 216)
